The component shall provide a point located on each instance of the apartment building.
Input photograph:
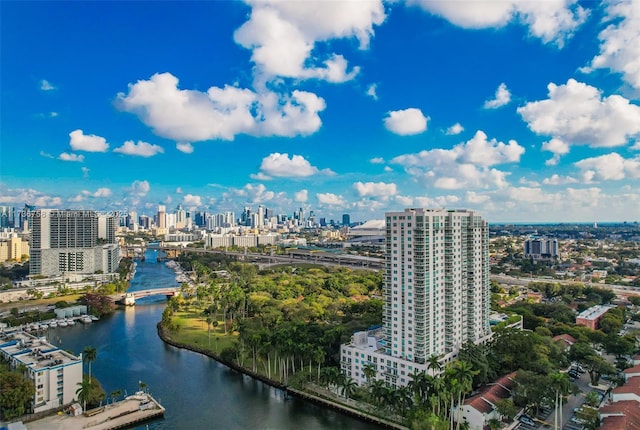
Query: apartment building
(55, 372)
(436, 294)
(72, 241)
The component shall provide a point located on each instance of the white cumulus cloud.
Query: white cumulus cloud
(65, 156)
(375, 189)
(280, 165)
(46, 85)
(609, 167)
(87, 142)
(455, 129)
(557, 147)
(465, 165)
(578, 114)
(139, 188)
(301, 196)
(501, 98)
(556, 179)
(102, 192)
(620, 41)
(187, 148)
(406, 122)
(331, 199)
(551, 21)
(220, 113)
(141, 149)
(282, 36)
(192, 201)
(371, 91)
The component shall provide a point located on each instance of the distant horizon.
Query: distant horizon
(364, 106)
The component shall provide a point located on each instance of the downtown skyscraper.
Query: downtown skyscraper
(436, 294)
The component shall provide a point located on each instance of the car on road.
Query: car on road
(526, 419)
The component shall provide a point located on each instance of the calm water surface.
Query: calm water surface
(198, 392)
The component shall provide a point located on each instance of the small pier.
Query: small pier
(126, 413)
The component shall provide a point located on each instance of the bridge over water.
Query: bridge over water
(129, 298)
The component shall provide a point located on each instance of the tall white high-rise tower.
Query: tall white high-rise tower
(436, 293)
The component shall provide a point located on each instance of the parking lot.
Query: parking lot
(544, 419)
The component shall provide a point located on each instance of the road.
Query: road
(620, 290)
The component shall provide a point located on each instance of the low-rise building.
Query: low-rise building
(55, 373)
(478, 410)
(592, 316)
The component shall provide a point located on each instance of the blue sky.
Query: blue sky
(524, 111)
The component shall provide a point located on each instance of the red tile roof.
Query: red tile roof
(618, 423)
(634, 369)
(566, 338)
(631, 386)
(490, 394)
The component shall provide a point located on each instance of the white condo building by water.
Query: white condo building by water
(55, 373)
(436, 294)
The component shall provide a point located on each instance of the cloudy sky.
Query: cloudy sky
(522, 110)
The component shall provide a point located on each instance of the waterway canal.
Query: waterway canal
(198, 392)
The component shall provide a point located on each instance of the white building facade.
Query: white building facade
(72, 241)
(436, 293)
(55, 372)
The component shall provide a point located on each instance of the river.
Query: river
(197, 391)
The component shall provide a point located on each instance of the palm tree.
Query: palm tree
(348, 387)
(209, 322)
(319, 356)
(83, 392)
(561, 385)
(115, 394)
(463, 372)
(377, 390)
(89, 354)
(369, 372)
(434, 364)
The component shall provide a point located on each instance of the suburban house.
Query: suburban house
(479, 409)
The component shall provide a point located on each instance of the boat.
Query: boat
(71, 322)
(94, 318)
(85, 319)
(63, 323)
(53, 324)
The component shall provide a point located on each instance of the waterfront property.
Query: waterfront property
(436, 294)
(55, 372)
(132, 410)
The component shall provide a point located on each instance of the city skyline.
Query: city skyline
(519, 111)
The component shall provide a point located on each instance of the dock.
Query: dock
(123, 414)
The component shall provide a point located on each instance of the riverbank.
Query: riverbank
(316, 399)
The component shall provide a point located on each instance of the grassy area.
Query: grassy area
(193, 331)
(21, 304)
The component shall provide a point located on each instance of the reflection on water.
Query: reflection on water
(198, 392)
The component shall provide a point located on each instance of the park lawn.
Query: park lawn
(193, 331)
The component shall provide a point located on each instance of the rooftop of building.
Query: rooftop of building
(632, 386)
(492, 393)
(368, 340)
(631, 370)
(567, 339)
(34, 352)
(595, 312)
(619, 422)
